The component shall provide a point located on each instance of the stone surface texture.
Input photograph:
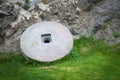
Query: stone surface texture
(100, 18)
(44, 42)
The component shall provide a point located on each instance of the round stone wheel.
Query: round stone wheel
(46, 41)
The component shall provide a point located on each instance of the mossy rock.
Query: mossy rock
(45, 1)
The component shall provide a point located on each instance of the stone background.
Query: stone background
(100, 18)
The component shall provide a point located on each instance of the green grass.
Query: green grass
(90, 59)
(26, 7)
(116, 34)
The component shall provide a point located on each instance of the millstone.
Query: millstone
(46, 41)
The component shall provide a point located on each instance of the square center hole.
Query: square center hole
(46, 38)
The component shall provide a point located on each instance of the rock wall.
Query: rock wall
(100, 18)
